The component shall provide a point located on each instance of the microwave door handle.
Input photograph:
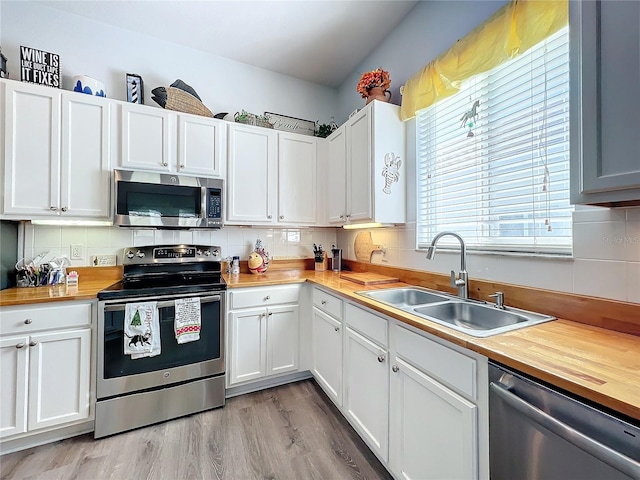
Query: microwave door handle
(203, 204)
(168, 303)
(587, 444)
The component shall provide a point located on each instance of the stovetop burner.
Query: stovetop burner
(167, 270)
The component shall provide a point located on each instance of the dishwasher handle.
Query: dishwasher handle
(624, 464)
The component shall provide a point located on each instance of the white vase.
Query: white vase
(88, 85)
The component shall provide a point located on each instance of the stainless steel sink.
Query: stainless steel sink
(472, 317)
(404, 297)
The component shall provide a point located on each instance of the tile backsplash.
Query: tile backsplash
(280, 243)
(605, 262)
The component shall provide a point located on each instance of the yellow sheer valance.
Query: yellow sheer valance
(512, 30)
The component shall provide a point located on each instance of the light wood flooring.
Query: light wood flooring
(292, 432)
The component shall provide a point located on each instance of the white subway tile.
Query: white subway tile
(202, 237)
(184, 237)
(633, 282)
(142, 238)
(164, 237)
(600, 278)
(219, 238)
(98, 236)
(600, 241)
(48, 236)
(235, 235)
(120, 237)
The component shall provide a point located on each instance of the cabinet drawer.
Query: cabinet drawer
(26, 319)
(367, 323)
(444, 364)
(263, 297)
(327, 303)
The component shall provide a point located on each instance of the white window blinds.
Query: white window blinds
(498, 174)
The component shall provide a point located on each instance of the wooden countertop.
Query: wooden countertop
(598, 364)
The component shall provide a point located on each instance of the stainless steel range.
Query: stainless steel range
(183, 378)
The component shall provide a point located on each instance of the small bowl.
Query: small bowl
(88, 85)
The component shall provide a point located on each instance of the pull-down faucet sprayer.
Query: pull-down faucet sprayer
(461, 283)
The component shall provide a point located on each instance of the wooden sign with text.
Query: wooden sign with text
(39, 67)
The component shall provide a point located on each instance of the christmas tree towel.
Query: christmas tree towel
(141, 330)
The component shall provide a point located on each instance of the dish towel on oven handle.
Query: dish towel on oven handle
(188, 319)
(141, 330)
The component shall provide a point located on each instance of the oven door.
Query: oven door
(118, 373)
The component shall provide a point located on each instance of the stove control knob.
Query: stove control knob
(207, 252)
(140, 254)
(216, 253)
(198, 252)
(130, 254)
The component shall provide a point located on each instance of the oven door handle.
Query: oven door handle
(117, 307)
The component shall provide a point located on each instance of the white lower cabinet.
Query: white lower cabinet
(263, 339)
(327, 353)
(433, 430)
(44, 375)
(366, 390)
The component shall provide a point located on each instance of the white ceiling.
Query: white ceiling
(322, 41)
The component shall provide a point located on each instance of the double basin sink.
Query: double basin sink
(472, 317)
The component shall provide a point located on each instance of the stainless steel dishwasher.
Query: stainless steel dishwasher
(536, 433)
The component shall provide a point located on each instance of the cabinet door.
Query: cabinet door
(433, 431)
(251, 168)
(296, 179)
(327, 354)
(59, 377)
(85, 182)
(247, 345)
(146, 141)
(282, 339)
(200, 145)
(359, 167)
(14, 353)
(32, 150)
(336, 176)
(605, 147)
(366, 391)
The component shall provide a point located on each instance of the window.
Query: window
(493, 159)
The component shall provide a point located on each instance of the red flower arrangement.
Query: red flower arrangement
(375, 78)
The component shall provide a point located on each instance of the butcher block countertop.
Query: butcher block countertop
(600, 365)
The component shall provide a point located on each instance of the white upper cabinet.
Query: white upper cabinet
(56, 153)
(296, 179)
(251, 174)
(368, 152)
(605, 146)
(271, 177)
(165, 141)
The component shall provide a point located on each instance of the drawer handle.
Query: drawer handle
(270, 313)
(395, 368)
(53, 209)
(323, 302)
(165, 164)
(381, 358)
(20, 345)
(33, 343)
(28, 321)
(337, 329)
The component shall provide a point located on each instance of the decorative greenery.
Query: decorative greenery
(374, 78)
(326, 129)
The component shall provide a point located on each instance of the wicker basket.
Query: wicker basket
(252, 119)
(181, 101)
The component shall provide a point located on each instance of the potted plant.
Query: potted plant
(374, 85)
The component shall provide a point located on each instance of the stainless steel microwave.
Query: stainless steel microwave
(165, 200)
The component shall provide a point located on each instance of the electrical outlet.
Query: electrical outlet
(76, 251)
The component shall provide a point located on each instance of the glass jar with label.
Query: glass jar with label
(235, 265)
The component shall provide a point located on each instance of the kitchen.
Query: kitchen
(437, 25)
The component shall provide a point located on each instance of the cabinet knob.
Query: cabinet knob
(337, 329)
(53, 209)
(28, 321)
(395, 368)
(270, 313)
(165, 164)
(323, 302)
(33, 343)
(348, 215)
(64, 209)
(281, 217)
(181, 166)
(268, 297)
(381, 358)
(341, 216)
(268, 216)
(20, 345)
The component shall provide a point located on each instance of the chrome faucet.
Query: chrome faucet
(461, 282)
